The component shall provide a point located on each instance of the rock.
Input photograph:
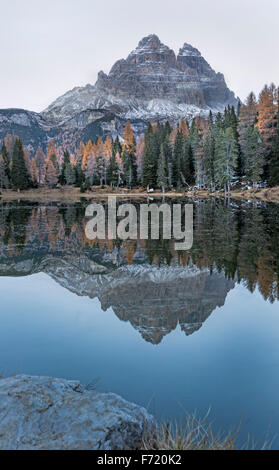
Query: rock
(49, 413)
(152, 83)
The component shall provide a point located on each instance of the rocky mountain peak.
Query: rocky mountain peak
(150, 44)
(188, 50)
(152, 83)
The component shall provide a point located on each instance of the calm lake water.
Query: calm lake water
(191, 331)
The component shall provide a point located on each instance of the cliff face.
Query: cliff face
(153, 72)
(152, 83)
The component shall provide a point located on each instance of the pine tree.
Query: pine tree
(6, 162)
(162, 172)
(188, 169)
(274, 160)
(129, 168)
(69, 174)
(178, 159)
(19, 175)
(79, 175)
(149, 163)
(101, 169)
(253, 151)
(226, 158)
(66, 164)
(112, 173)
(2, 173)
(209, 160)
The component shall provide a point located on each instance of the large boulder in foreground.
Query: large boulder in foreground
(50, 413)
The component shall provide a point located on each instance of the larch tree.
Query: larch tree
(266, 121)
(51, 174)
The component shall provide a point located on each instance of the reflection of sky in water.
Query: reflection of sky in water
(230, 364)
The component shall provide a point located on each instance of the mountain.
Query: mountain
(154, 300)
(152, 83)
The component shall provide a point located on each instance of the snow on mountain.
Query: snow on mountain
(152, 83)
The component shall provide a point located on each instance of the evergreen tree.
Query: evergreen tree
(226, 158)
(149, 166)
(69, 174)
(19, 174)
(162, 171)
(253, 151)
(209, 160)
(112, 174)
(178, 159)
(2, 173)
(274, 160)
(6, 162)
(66, 162)
(188, 169)
(129, 168)
(101, 169)
(79, 175)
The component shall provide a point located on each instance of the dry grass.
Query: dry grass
(197, 434)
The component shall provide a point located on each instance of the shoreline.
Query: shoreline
(70, 194)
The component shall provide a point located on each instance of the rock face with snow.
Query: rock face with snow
(55, 414)
(152, 83)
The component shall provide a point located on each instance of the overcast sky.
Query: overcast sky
(51, 46)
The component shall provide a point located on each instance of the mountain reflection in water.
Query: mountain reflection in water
(146, 282)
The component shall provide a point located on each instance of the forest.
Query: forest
(238, 146)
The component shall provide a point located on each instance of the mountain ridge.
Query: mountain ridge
(152, 83)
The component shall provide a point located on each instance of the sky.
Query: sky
(50, 46)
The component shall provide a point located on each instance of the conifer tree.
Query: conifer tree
(149, 167)
(162, 172)
(79, 175)
(69, 174)
(65, 164)
(274, 160)
(112, 173)
(129, 168)
(2, 173)
(209, 160)
(226, 158)
(178, 159)
(6, 162)
(51, 174)
(41, 166)
(19, 175)
(253, 155)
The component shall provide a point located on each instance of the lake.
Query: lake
(174, 331)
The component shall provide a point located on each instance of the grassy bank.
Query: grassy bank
(71, 194)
